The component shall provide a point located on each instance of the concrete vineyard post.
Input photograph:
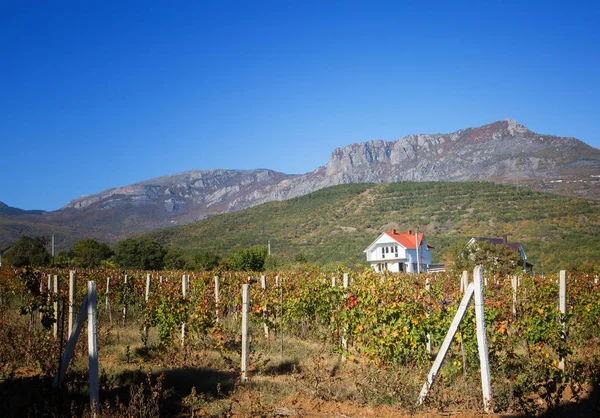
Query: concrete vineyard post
(280, 286)
(125, 298)
(562, 306)
(263, 285)
(333, 281)
(184, 291)
(217, 288)
(245, 330)
(71, 300)
(514, 284)
(428, 336)
(481, 339)
(93, 346)
(345, 284)
(55, 291)
(107, 302)
(148, 277)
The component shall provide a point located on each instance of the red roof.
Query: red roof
(406, 239)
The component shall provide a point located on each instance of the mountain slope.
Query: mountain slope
(336, 224)
(502, 152)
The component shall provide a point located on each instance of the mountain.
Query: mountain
(335, 224)
(501, 152)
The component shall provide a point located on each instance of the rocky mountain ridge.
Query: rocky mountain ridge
(503, 152)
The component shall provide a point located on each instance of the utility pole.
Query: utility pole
(53, 249)
(269, 247)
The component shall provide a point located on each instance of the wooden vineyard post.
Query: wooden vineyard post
(481, 339)
(245, 330)
(71, 300)
(217, 288)
(55, 291)
(184, 291)
(148, 277)
(562, 306)
(263, 285)
(125, 299)
(93, 346)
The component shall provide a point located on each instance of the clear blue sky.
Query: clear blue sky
(102, 94)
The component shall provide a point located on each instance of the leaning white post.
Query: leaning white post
(245, 329)
(562, 306)
(93, 346)
(71, 299)
(439, 359)
(73, 336)
(482, 340)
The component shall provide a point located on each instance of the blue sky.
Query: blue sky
(95, 95)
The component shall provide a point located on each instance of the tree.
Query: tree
(206, 260)
(29, 251)
(89, 253)
(174, 259)
(494, 259)
(139, 253)
(248, 259)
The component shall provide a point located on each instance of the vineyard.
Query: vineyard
(170, 343)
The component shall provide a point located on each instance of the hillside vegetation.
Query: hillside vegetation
(336, 224)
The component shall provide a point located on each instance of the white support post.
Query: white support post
(93, 346)
(345, 284)
(184, 289)
(148, 278)
(107, 302)
(55, 291)
(217, 288)
(126, 297)
(437, 364)
(333, 281)
(562, 306)
(514, 284)
(482, 340)
(263, 285)
(245, 330)
(71, 299)
(428, 336)
(280, 286)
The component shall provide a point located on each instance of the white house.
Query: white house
(399, 252)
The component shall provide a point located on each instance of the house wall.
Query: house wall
(375, 252)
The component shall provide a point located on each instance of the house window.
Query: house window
(382, 252)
